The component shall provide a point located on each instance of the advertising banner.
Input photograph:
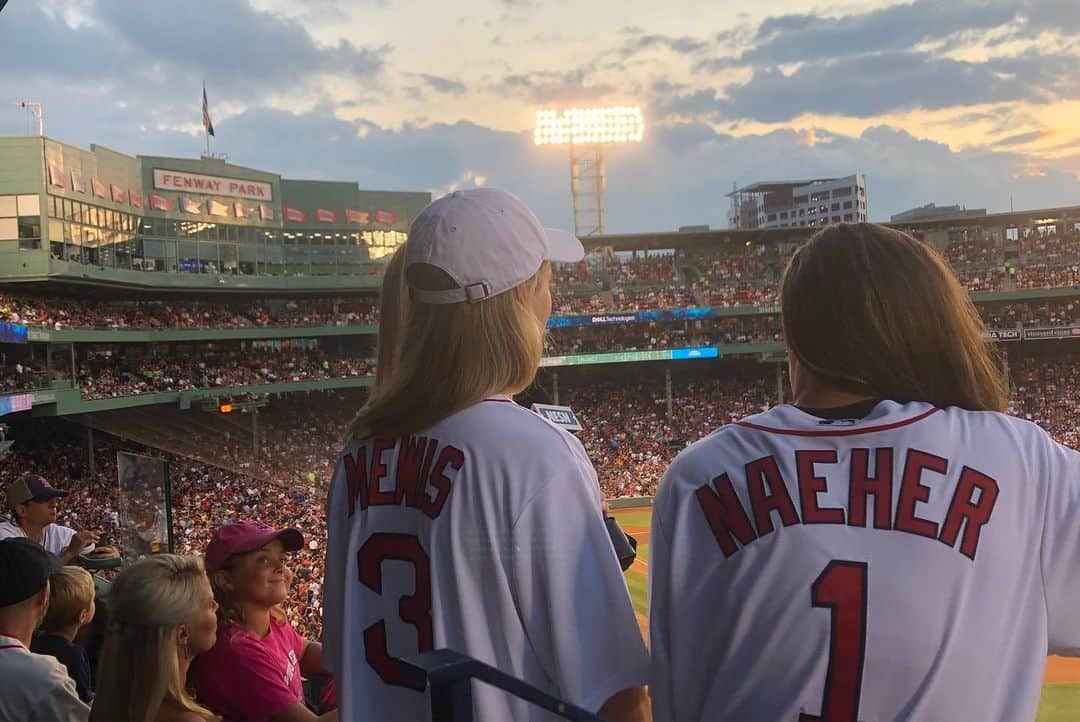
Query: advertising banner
(187, 205)
(1057, 332)
(13, 333)
(97, 187)
(324, 215)
(117, 193)
(266, 213)
(16, 402)
(78, 183)
(598, 319)
(294, 215)
(135, 198)
(1003, 334)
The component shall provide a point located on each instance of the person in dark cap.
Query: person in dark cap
(32, 686)
(33, 504)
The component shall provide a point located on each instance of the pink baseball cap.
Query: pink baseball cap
(487, 240)
(247, 536)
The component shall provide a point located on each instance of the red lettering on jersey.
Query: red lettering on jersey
(863, 485)
(977, 513)
(376, 496)
(455, 459)
(425, 469)
(913, 491)
(758, 473)
(356, 478)
(810, 486)
(407, 484)
(725, 515)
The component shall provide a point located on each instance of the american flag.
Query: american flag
(207, 123)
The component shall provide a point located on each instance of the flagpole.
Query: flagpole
(206, 129)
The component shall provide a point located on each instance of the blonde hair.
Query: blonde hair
(71, 592)
(139, 672)
(452, 356)
(872, 310)
(393, 310)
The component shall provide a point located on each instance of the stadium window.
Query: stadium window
(836, 219)
(847, 205)
(835, 207)
(783, 215)
(30, 205)
(847, 216)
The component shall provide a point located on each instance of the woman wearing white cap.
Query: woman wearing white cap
(458, 519)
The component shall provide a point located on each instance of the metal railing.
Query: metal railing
(449, 675)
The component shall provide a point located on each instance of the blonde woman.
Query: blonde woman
(161, 616)
(457, 518)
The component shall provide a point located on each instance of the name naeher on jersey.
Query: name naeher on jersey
(971, 505)
(421, 465)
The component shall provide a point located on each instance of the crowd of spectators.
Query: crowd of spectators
(1034, 314)
(631, 439)
(108, 375)
(61, 312)
(628, 433)
(1046, 390)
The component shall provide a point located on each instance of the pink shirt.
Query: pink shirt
(247, 679)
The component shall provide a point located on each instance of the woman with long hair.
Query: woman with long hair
(889, 546)
(458, 519)
(161, 617)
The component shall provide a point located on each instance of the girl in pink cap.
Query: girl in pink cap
(254, 671)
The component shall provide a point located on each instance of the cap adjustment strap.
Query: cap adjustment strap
(477, 291)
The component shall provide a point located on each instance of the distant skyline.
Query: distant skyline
(943, 101)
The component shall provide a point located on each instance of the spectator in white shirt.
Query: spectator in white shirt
(33, 687)
(33, 504)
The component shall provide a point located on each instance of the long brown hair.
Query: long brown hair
(872, 310)
(453, 355)
(393, 310)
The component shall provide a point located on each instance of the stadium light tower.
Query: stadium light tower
(586, 131)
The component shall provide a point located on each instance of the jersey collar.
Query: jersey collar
(791, 421)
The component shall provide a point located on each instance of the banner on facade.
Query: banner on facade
(361, 217)
(294, 215)
(160, 203)
(97, 187)
(175, 180)
(386, 217)
(118, 195)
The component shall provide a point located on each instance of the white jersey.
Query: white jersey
(915, 564)
(482, 534)
(56, 540)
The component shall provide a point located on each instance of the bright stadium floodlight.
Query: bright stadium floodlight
(586, 131)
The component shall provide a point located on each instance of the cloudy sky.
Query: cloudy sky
(946, 101)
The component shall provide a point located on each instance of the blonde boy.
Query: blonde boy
(71, 606)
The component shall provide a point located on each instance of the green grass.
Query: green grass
(1060, 702)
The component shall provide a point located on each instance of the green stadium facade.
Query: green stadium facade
(153, 227)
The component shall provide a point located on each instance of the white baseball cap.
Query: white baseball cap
(487, 241)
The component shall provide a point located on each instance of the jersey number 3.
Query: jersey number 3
(414, 609)
(841, 589)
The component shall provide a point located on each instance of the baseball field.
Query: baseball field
(1061, 693)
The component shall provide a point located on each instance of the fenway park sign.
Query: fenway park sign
(173, 180)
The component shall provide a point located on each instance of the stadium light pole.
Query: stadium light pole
(587, 131)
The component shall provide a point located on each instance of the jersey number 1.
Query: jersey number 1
(414, 609)
(841, 588)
